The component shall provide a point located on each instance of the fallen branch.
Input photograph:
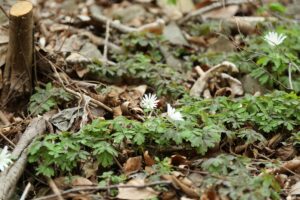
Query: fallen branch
(97, 17)
(213, 6)
(201, 83)
(10, 177)
(100, 188)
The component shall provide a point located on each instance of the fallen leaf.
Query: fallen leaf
(148, 160)
(65, 118)
(173, 33)
(295, 190)
(235, 85)
(286, 152)
(73, 181)
(185, 6)
(210, 194)
(90, 169)
(133, 164)
(178, 160)
(117, 111)
(80, 181)
(136, 193)
(188, 189)
(221, 13)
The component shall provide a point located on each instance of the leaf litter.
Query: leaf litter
(95, 61)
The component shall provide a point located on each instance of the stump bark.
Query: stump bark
(17, 76)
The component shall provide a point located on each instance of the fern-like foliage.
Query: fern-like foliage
(204, 123)
(45, 99)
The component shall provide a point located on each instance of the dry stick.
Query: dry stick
(106, 44)
(55, 189)
(8, 140)
(26, 191)
(10, 176)
(212, 7)
(82, 32)
(99, 41)
(99, 18)
(96, 16)
(98, 188)
(77, 94)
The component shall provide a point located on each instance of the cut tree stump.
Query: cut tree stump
(17, 76)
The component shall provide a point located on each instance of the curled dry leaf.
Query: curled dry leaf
(235, 85)
(222, 13)
(70, 182)
(292, 165)
(225, 91)
(182, 183)
(133, 164)
(213, 74)
(149, 161)
(295, 190)
(210, 194)
(286, 152)
(178, 160)
(90, 170)
(136, 193)
(117, 111)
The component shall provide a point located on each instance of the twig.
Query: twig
(8, 140)
(81, 32)
(98, 188)
(77, 94)
(26, 191)
(54, 188)
(212, 7)
(118, 163)
(106, 43)
(99, 18)
(3, 10)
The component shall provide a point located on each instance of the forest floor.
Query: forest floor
(165, 99)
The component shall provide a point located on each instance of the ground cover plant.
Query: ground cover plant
(165, 99)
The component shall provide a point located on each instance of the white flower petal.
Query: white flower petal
(5, 159)
(173, 114)
(149, 101)
(274, 38)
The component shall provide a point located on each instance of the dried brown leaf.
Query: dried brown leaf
(295, 190)
(148, 159)
(133, 164)
(136, 193)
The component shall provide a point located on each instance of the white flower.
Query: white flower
(149, 101)
(274, 38)
(4, 159)
(173, 114)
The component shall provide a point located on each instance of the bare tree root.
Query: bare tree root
(10, 177)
